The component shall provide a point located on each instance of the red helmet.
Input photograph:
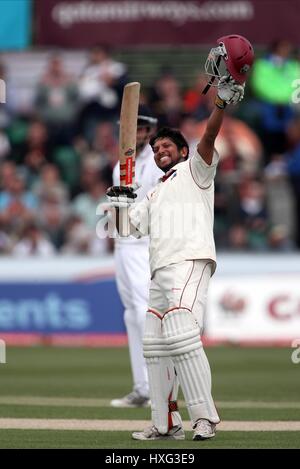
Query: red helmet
(239, 56)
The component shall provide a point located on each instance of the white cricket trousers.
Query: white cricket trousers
(174, 325)
(133, 280)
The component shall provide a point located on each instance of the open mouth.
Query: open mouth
(164, 159)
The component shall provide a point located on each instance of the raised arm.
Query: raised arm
(229, 92)
(206, 145)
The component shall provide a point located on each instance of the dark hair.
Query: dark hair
(174, 135)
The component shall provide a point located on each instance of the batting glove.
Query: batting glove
(121, 196)
(229, 92)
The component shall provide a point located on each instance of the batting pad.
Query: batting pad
(163, 382)
(183, 338)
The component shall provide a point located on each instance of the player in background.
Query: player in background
(182, 263)
(132, 265)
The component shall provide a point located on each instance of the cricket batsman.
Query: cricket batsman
(178, 216)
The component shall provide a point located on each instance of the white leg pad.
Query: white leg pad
(163, 382)
(183, 337)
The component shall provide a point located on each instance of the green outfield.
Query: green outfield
(59, 398)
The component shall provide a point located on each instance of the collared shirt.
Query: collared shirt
(178, 214)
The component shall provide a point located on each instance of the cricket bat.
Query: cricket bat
(127, 145)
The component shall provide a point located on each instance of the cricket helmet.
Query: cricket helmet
(145, 117)
(237, 54)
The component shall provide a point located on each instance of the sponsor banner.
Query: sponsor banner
(254, 308)
(65, 308)
(253, 299)
(15, 24)
(84, 23)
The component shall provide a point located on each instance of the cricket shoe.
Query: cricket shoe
(151, 433)
(133, 399)
(204, 429)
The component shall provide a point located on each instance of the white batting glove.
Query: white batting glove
(121, 196)
(229, 92)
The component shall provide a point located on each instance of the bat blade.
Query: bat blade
(127, 135)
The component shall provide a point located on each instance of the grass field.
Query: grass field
(52, 389)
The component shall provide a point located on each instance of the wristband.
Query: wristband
(220, 103)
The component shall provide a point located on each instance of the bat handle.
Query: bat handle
(123, 219)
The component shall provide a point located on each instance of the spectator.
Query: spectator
(85, 204)
(253, 212)
(194, 102)
(7, 172)
(272, 80)
(189, 128)
(240, 153)
(49, 184)
(4, 146)
(35, 151)
(280, 201)
(33, 242)
(53, 203)
(293, 169)
(56, 102)
(5, 240)
(17, 206)
(106, 145)
(279, 239)
(52, 218)
(101, 86)
(239, 147)
(237, 238)
(89, 172)
(165, 99)
(80, 239)
(105, 141)
(8, 107)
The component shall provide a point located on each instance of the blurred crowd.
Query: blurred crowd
(56, 160)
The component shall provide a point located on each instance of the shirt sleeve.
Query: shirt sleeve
(202, 172)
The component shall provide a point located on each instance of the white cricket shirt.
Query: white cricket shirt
(178, 214)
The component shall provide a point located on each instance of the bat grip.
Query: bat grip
(123, 224)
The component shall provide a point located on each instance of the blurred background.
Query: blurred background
(64, 65)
